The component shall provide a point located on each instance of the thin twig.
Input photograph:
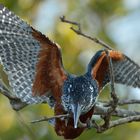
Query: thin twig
(121, 102)
(101, 129)
(107, 116)
(79, 32)
(50, 118)
(128, 101)
(26, 126)
(63, 19)
(15, 102)
(6, 92)
(112, 81)
(118, 112)
(124, 120)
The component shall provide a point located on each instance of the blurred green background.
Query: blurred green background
(114, 21)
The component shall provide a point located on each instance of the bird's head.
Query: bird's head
(79, 96)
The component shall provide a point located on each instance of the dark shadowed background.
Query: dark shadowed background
(117, 22)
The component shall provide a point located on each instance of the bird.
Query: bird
(33, 64)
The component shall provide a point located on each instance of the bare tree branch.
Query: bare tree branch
(121, 102)
(125, 115)
(15, 102)
(128, 101)
(124, 120)
(107, 116)
(101, 129)
(79, 32)
(112, 81)
(118, 112)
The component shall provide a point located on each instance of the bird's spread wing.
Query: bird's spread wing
(125, 70)
(31, 61)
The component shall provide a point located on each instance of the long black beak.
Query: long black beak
(76, 109)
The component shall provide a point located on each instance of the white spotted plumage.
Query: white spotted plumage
(19, 55)
(81, 90)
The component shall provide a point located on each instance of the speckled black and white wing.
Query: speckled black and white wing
(125, 70)
(18, 55)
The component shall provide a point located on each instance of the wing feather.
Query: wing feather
(20, 50)
(125, 70)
